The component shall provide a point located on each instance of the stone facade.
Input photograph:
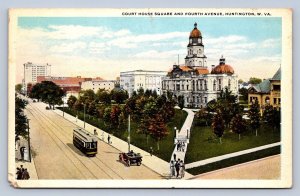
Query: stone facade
(194, 81)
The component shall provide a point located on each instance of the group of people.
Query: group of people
(22, 173)
(180, 146)
(177, 166)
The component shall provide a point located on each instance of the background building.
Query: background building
(148, 80)
(267, 92)
(97, 84)
(193, 80)
(32, 72)
(71, 85)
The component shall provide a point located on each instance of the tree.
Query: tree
(203, 115)
(140, 91)
(254, 80)
(181, 101)
(87, 96)
(20, 119)
(271, 116)
(91, 109)
(103, 96)
(115, 115)
(244, 93)
(78, 105)
(119, 96)
(49, 92)
(238, 125)
(18, 88)
(218, 125)
(157, 128)
(240, 81)
(71, 101)
(106, 115)
(254, 116)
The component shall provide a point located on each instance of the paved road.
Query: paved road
(269, 168)
(55, 157)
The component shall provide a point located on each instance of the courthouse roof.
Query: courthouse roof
(277, 75)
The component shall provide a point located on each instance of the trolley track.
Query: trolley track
(102, 166)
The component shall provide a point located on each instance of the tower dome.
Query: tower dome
(195, 33)
(222, 68)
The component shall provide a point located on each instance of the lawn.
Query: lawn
(140, 140)
(204, 144)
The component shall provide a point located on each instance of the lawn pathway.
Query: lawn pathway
(184, 134)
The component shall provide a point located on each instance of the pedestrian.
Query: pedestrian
(177, 145)
(177, 167)
(182, 169)
(108, 139)
(102, 135)
(174, 156)
(151, 151)
(183, 146)
(19, 174)
(95, 132)
(76, 118)
(172, 168)
(25, 175)
(22, 149)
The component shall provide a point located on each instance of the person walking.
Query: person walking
(95, 132)
(25, 175)
(177, 167)
(22, 149)
(183, 146)
(151, 151)
(19, 174)
(182, 169)
(174, 156)
(172, 169)
(102, 135)
(108, 139)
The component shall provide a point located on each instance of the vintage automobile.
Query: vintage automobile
(130, 158)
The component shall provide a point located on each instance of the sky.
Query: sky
(104, 46)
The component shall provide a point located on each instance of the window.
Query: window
(193, 85)
(219, 84)
(205, 85)
(214, 85)
(205, 99)
(229, 84)
(187, 87)
(274, 101)
(276, 87)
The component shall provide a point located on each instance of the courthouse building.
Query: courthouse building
(194, 81)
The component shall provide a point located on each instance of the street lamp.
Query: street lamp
(84, 115)
(129, 133)
(29, 149)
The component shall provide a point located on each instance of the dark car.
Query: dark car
(130, 158)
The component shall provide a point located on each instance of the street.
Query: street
(56, 157)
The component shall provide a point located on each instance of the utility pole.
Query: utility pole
(84, 115)
(29, 148)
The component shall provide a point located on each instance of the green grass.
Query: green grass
(140, 140)
(204, 144)
(235, 160)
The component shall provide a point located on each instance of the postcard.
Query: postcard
(150, 98)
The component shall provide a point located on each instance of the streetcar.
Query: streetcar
(85, 141)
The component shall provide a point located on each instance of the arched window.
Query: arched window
(215, 85)
(205, 85)
(193, 85)
(219, 84)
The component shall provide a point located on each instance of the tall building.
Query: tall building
(32, 71)
(194, 81)
(148, 80)
(267, 92)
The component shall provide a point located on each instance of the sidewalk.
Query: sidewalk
(184, 134)
(30, 166)
(227, 156)
(154, 163)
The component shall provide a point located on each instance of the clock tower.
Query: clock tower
(195, 50)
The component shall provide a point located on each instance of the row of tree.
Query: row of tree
(21, 123)
(150, 111)
(225, 112)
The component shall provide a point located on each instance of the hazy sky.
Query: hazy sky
(101, 46)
